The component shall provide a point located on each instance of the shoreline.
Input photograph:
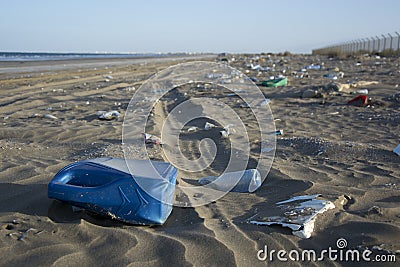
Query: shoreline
(9, 67)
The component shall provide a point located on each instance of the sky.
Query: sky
(149, 26)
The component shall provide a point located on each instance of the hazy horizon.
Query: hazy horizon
(190, 27)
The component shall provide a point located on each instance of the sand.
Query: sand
(339, 151)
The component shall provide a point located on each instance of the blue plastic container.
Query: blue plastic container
(105, 186)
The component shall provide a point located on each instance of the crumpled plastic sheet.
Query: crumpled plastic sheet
(299, 214)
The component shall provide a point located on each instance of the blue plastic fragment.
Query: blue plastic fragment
(105, 186)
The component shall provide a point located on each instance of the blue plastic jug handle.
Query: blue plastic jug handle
(71, 193)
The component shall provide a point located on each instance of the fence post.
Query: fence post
(391, 41)
(373, 44)
(398, 41)
(384, 42)
(379, 43)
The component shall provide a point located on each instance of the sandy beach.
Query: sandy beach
(343, 152)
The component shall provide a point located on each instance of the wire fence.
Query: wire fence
(387, 44)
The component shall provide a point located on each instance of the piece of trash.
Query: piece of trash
(334, 76)
(275, 82)
(374, 210)
(240, 181)
(132, 191)
(151, 139)
(267, 149)
(192, 129)
(359, 101)
(208, 126)
(309, 93)
(108, 77)
(254, 79)
(313, 67)
(25, 233)
(397, 150)
(224, 134)
(227, 131)
(279, 132)
(299, 214)
(49, 116)
(108, 115)
(363, 91)
(264, 102)
(334, 113)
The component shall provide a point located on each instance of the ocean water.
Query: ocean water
(30, 56)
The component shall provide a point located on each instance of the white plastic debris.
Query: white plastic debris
(240, 181)
(299, 214)
(192, 129)
(397, 150)
(49, 116)
(227, 131)
(266, 101)
(224, 134)
(151, 139)
(363, 91)
(208, 126)
(108, 115)
(267, 149)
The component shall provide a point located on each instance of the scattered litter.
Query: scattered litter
(264, 102)
(247, 181)
(227, 131)
(46, 116)
(58, 90)
(359, 101)
(254, 79)
(108, 115)
(299, 214)
(130, 88)
(49, 116)
(267, 149)
(313, 67)
(22, 235)
(311, 93)
(334, 76)
(334, 113)
(108, 77)
(275, 82)
(224, 134)
(192, 129)
(397, 150)
(151, 139)
(208, 126)
(363, 91)
(374, 210)
(279, 132)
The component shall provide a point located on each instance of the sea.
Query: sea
(39, 56)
